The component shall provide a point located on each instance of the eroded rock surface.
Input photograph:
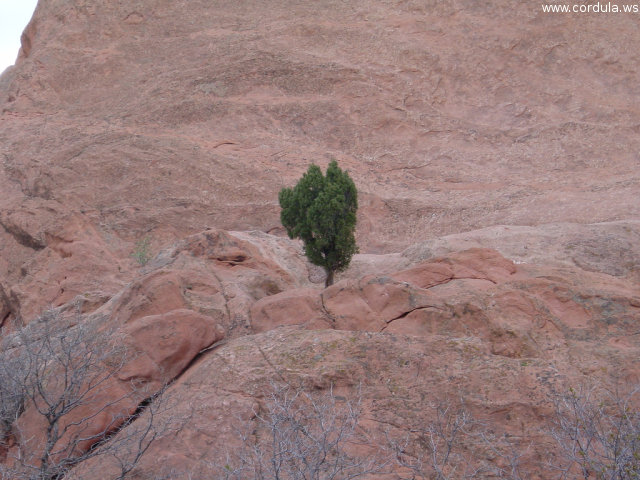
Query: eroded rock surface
(154, 116)
(143, 145)
(505, 338)
(517, 310)
(189, 297)
(439, 329)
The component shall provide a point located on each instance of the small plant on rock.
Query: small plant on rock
(142, 251)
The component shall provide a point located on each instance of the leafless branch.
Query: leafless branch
(57, 401)
(598, 434)
(299, 435)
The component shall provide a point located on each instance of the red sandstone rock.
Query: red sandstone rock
(107, 407)
(188, 297)
(163, 345)
(292, 307)
(518, 312)
(471, 311)
(399, 379)
(371, 303)
(160, 120)
(443, 130)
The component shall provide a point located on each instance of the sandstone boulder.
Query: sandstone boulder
(292, 307)
(162, 346)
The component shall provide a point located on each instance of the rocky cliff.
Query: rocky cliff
(494, 147)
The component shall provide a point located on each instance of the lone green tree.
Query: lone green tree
(321, 211)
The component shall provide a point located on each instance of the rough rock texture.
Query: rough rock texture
(494, 147)
(190, 296)
(502, 336)
(400, 379)
(165, 344)
(202, 272)
(515, 310)
(612, 248)
(156, 118)
(301, 306)
(169, 117)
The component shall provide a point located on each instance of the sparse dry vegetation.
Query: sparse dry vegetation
(300, 435)
(597, 433)
(54, 413)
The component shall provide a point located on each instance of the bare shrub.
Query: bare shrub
(455, 445)
(598, 434)
(57, 402)
(11, 396)
(300, 435)
(437, 449)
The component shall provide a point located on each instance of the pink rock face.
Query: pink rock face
(69, 261)
(163, 345)
(293, 307)
(450, 117)
(156, 293)
(107, 407)
(398, 380)
(457, 323)
(481, 264)
(372, 302)
(443, 131)
(154, 350)
(495, 154)
(519, 312)
(192, 295)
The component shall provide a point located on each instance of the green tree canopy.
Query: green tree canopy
(321, 211)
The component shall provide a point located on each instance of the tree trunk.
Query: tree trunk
(329, 281)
